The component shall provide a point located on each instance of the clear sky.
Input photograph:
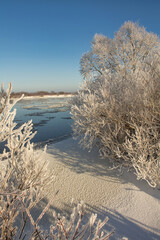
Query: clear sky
(42, 41)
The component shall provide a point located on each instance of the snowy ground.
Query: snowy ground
(132, 206)
(48, 96)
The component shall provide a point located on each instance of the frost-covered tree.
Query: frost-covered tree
(23, 172)
(117, 107)
(24, 181)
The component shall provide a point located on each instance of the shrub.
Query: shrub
(117, 107)
(24, 181)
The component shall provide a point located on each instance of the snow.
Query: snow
(48, 96)
(132, 206)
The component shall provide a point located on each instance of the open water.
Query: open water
(51, 118)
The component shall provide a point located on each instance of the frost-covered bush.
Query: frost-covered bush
(24, 181)
(23, 172)
(117, 107)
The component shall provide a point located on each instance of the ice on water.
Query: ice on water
(50, 103)
(51, 117)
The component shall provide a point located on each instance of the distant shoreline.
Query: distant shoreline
(42, 95)
(48, 96)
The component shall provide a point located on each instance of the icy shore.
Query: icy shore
(132, 206)
(46, 96)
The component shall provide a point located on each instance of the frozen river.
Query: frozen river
(51, 118)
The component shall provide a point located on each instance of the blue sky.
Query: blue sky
(42, 41)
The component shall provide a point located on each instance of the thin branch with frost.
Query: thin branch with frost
(23, 171)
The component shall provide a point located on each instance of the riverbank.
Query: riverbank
(132, 206)
(48, 96)
(41, 95)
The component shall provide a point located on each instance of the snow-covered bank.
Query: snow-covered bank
(132, 206)
(48, 96)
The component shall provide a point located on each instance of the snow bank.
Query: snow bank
(132, 206)
(48, 96)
